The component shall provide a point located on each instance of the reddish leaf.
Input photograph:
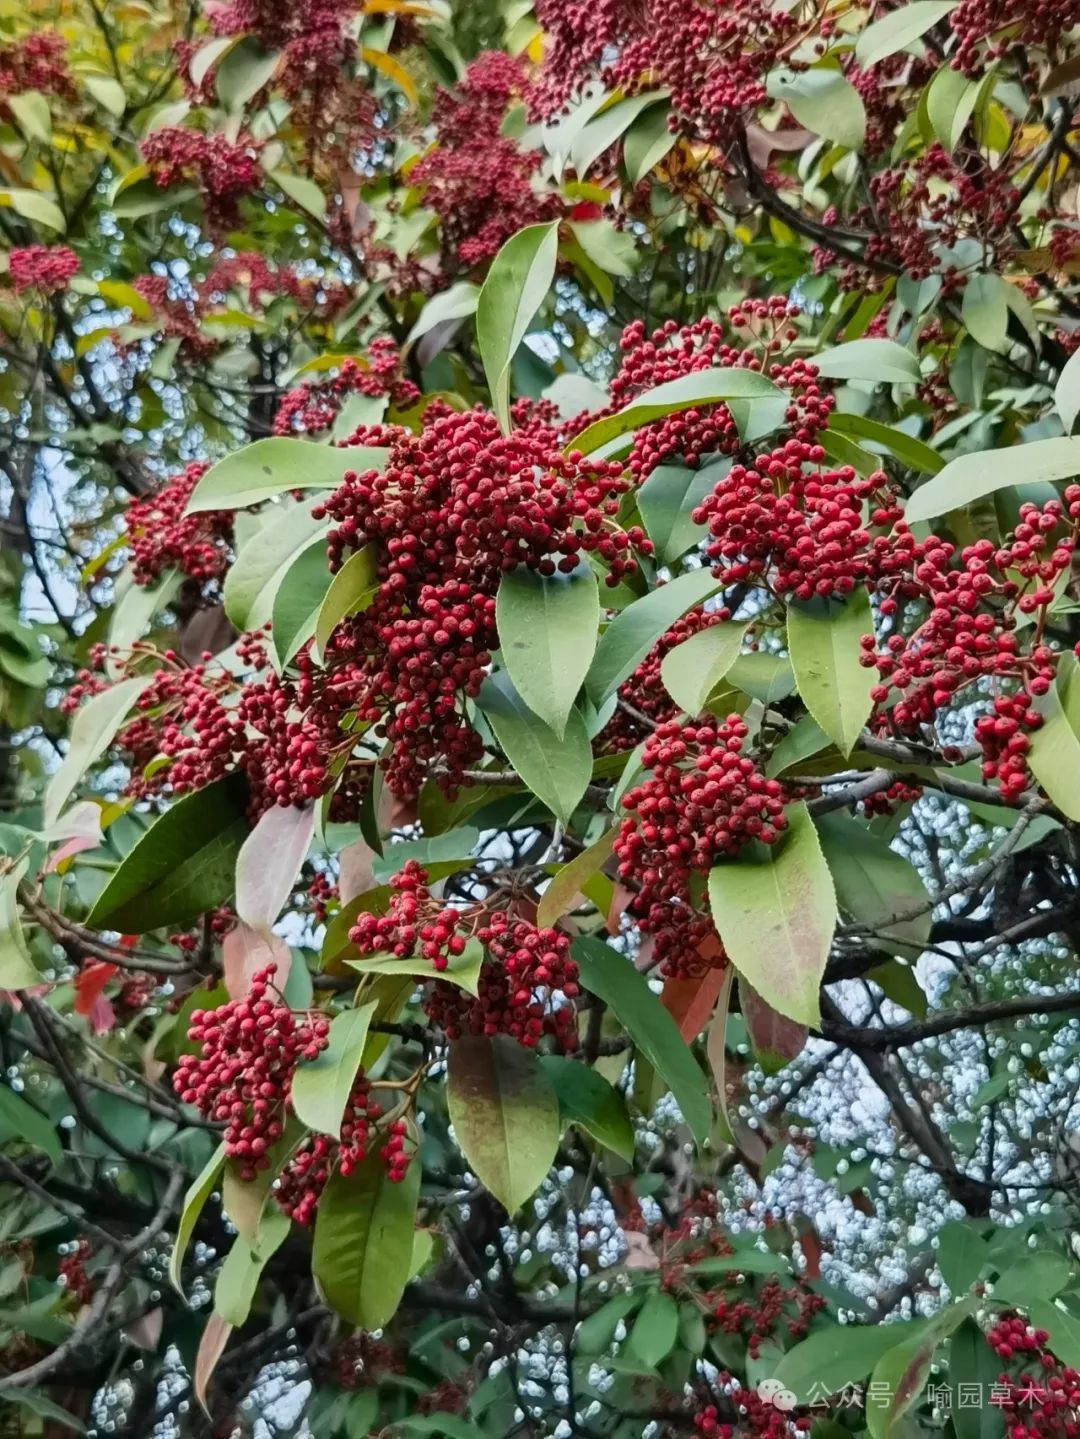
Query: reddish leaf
(690, 1002)
(90, 983)
(776, 1039)
(211, 1347)
(356, 876)
(244, 951)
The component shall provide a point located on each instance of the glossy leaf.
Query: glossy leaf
(667, 500)
(905, 447)
(879, 361)
(828, 1361)
(456, 303)
(693, 669)
(898, 30)
(516, 286)
(823, 638)
(558, 897)
(656, 1328)
(775, 912)
(969, 477)
(587, 1100)
(263, 562)
(607, 128)
(21, 1120)
(298, 600)
(985, 310)
(1054, 752)
(268, 468)
(634, 631)
(198, 1192)
(823, 100)
(462, 970)
(352, 589)
(270, 861)
(505, 1115)
(321, 1087)
(647, 140)
(557, 770)
(874, 883)
(902, 1371)
(238, 1278)
(93, 729)
(547, 628)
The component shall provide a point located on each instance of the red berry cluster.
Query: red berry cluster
(72, 1270)
(36, 61)
(243, 1074)
(987, 29)
(704, 799)
(414, 920)
(163, 537)
(740, 1412)
(315, 405)
(178, 316)
(223, 170)
(524, 986)
(302, 1181)
(479, 182)
(46, 268)
(1038, 1394)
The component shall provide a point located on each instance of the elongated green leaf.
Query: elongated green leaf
(505, 1115)
(656, 1328)
(899, 29)
(973, 1369)
(1054, 754)
(905, 447)
(92, 731)
(874, 883)
(667, 500)
(692, 670)
(1063, 1328)
(882, 361)
(352, 589)
(268, 468)
(596, 1333)
(823, 640)
(463, 970)
(181, 867)
(261, 566)
(33, 205)
(31, 111)
(547, 635)
(320, 1087)
(301, 191)
(950, 100)
(603, 131)
(243, 71)
(970, 477)
(238, 1278)
(556, 770)
(962, 1253)
(1040, 1274)
(363, 1241)
(612, 978)
(633, 632)
(587, 1100)
(902, 1371)
(199, 1191)
(45, 1408)
(559, 895)
(17, 969)
(456, 303)
(20, 1120)
(297, 602)
(1067, 392)
(647, 140)
(136, 606)
(701, 387)
(774, 907)
(985, 310)
(843, 1354)
(823, 100)
(516, 286)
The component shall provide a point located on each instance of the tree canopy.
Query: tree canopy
(540, 718)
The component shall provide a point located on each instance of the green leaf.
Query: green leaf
(634, 631)
(985, 310)
(823, 637)
(557, 770)
(744, 1261)
(31, 111)
(1054, 752)
(1039, 1275)
(823, 100)
(463, 970)
(587, 1100)
(568, 881)
(693, 669)
(596, 1333)
(17, 970)
(516, 286)
(906, 448)
(181, 867)
(301, 191)
(109, 93)
(961, 1255)
(92, 731)
(902, 1371)
(321, 1087)
(656, 1328)
(880, 361)
(252, 582)
(801, 743)
(199, 1191)
(611, 977)
(238, 1278)
(136, 606)
(547, 628)
(1063, 1328)
(22, 1121)
(363, 1240)
(973, 1369)
(701, 387)
(268, 468)
(873, 883)
(456, 303)
(970, 477)
(647, 140)
(35, 206)
(843, 1354)
(766, 678)
(505, 1115)
(242, 72)
(666, 502)
(297, 602)
(950, 100)
(774, 907)
(1067, 392)
(899, 29)
(351, 591)
(44, 1408)
(603, 131)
